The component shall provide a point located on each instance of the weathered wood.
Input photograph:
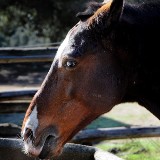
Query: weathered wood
(13, 107)
(11, 149)
(96, 135)
(16, 118)
(9, 130)
(92, 135)
(38, 54)
(17, 95)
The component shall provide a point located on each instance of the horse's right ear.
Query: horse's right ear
(108, 15)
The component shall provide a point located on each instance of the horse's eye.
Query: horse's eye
(70, 64)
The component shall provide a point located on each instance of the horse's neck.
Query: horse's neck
(142, 28)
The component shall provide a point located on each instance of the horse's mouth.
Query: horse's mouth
(46, 148)
(48, 144)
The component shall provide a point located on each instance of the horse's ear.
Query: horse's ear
(107, 15)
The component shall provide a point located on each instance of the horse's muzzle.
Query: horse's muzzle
(41, 146)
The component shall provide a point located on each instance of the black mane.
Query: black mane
(138, 12)
(91, 8)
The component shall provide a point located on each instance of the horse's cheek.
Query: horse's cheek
(105, 91)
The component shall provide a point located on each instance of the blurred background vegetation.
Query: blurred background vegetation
(31, 22)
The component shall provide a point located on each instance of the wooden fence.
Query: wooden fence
(16, 55)
(18, 101)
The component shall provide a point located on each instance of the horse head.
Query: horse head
(85, 80)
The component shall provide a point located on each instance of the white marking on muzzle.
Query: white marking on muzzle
(29, 148)
(32, 121)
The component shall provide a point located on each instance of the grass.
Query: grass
(128, 114)
(129, 149)
(133, 149)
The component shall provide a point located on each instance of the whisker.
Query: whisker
(18, 136)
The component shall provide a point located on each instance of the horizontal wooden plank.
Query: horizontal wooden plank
(13, 107)
(92, 135)
(14, 118)
(101, 134)
(9, 130)
(36, 54)
(17, 95)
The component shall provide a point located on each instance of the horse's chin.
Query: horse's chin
(46, 148)
(50, 148)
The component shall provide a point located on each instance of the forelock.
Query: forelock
(91, 8)
(94, 11)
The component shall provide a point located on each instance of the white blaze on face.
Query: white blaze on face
(65, 47)
(61, 49)
(32, 121)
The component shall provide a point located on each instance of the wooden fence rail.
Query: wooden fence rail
(13, 107)
(17, 95)
(45, 54)
(16, 101)
(38, 54)
(95, 135)
(101, 134)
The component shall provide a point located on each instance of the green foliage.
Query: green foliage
(27, 22)
(35, 22)
(17, 28)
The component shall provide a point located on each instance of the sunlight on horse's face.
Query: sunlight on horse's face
(83, 82)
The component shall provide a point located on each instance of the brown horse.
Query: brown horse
(109, 57)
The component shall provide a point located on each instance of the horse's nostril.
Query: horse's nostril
(28, 134)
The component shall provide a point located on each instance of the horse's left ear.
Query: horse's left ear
(108, 15)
